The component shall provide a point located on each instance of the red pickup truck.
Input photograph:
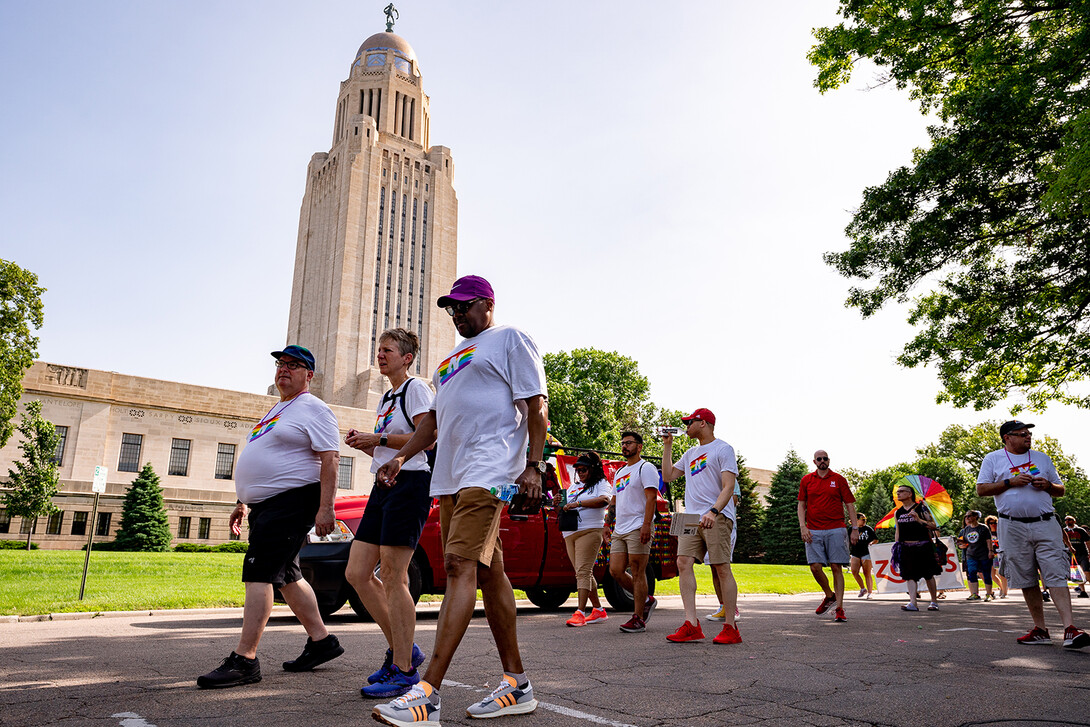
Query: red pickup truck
(533, 553)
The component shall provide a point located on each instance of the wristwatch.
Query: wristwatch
(538, 464)
(713, 510)
(382, 440)
(1006, 484)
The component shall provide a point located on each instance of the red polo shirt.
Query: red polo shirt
(825, 498)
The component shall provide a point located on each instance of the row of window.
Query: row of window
(55, 525)
(132, 444)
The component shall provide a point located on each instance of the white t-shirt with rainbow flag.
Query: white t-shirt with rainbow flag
(478, 405)
(629, 484)
(1027, 501)
(281, 452)
(390, 419)
(704, 466)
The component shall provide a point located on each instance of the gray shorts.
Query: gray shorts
(828, 547)
(1028, 547)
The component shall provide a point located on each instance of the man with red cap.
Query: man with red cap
(488, 421)
(710, 470)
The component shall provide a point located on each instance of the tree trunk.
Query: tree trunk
(29, 533)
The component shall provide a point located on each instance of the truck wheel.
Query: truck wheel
(548, 599)
(416, 586)
(619, 598)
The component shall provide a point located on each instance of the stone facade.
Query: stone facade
(378, 229)
(191, 435)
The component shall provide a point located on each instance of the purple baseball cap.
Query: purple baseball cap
(467, 287)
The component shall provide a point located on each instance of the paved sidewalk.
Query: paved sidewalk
(958, 666)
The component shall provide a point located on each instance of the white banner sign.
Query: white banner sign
(889, 582)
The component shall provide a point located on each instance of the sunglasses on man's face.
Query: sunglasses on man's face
(460, 307)
(821, 459)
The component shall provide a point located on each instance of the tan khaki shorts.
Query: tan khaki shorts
(629, 543)
(715, 541)
(469, 525)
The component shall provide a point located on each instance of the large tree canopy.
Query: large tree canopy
(20, 310)
(995, 215)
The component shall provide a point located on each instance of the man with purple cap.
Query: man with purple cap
(287, 474)
(488, 421)
(711, 470)
(1023, 482)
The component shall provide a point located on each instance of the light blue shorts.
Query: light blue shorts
(828, 547)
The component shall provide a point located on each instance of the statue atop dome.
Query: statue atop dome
(391, 17)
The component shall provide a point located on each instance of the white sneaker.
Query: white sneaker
(411, 709)
(507, 698)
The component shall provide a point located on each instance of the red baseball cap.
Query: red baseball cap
(703, 415)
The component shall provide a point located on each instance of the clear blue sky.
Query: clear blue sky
(656, 179)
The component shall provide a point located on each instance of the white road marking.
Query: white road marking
(131, 719)
(994, 631)
(566, 711)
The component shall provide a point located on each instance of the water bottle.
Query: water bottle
(505, 492)
(673, 431)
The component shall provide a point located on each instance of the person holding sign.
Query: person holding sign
(1023, 482)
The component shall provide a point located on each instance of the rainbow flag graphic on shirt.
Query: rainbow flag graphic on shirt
(1029, 468)
(621, 483)
(262, 428)
(455, 363)
(698, 464)
(383, 420)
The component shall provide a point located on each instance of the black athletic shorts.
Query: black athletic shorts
(396, 515)
(278, 529)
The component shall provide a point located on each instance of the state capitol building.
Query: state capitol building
(378, 243)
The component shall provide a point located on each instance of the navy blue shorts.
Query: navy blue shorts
(278, 529)
(396, 515)
(982, 566)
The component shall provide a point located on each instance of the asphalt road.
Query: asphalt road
(959, 666)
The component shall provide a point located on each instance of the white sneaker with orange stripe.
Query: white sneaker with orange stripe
(412, 709)
(508, 698)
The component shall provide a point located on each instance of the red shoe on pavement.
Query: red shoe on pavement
(577, 619)
(687, 632)
(825, 604)
(1075, 639)
(634, 625)
(840, 617)
(729, 635)
(1036, 636)
(597, 615)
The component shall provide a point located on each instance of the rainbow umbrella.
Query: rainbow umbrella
(934, 496)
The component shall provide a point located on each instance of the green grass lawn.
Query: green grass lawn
(47, 581)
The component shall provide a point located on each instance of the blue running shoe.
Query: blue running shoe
(388, 660)
(395, 684)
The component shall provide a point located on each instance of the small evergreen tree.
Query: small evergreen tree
(33, 482)
(144, 524)
(750, 521)
(782, 541)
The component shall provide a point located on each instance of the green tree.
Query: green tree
(750, 518)
(33, 483)
(874, 496)
(782, 542)
(20, 310)
(143, 515)
(593, 395)
(993, 214)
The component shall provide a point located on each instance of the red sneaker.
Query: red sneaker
(729, 635)
(1035, 636)
(825, 604)
(578, 619)
(840, 617)
(687, 632)
(596, 615)
(1075, 639)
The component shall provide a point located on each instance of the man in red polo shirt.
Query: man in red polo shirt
(823, 495)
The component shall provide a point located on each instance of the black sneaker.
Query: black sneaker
(315, 653)
(234, 671)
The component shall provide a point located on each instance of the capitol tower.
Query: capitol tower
(378, 228)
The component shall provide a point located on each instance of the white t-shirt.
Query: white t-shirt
(1025, 501)
(483, 429)
(281, 452)
(591, 517)
(390, 419)
(704, 466)
(630, 483)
